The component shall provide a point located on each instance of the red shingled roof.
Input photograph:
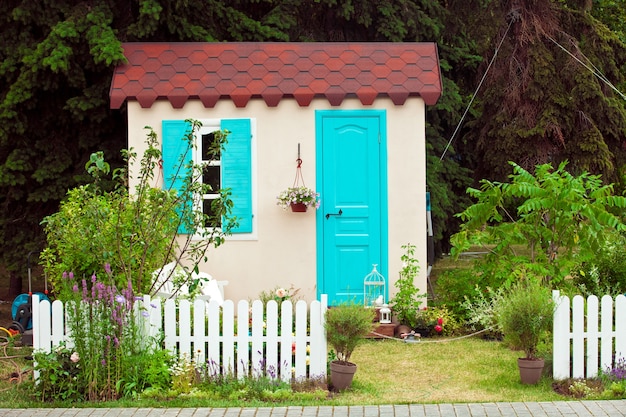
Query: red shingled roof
(273, 71)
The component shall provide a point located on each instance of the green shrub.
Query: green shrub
(452, 287)
(605, 273)
(525, 313)
(408, 299)
(346, 326)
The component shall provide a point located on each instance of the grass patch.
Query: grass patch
(466, 370)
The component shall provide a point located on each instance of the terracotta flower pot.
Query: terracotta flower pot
(298, 207)
(530, 370)
(341, 374)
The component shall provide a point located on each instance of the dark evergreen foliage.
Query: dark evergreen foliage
(56, 60)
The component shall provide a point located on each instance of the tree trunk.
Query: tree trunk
(15, 285)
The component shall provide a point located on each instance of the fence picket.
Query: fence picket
(286, 341)
(561, 337)
(198, 339)
(242, 357)
(606, 329)
(169, 327)
(228, 346)
(300, 341)
(578, 346)
(620, 323)
(592, 336)
(212, 356)
(256, 345)
(271, 332)
(58, 334)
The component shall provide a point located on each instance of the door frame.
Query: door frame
(320, 115)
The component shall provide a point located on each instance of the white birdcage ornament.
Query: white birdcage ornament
(374, 289)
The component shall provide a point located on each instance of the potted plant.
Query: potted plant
(346, 326)
(298, 198)
(524, 315)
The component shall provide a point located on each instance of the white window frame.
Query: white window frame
(211, 125)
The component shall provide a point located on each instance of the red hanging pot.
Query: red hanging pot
(298, 207)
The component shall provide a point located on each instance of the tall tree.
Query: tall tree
(542, 101)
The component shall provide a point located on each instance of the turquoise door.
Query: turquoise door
(352, 219)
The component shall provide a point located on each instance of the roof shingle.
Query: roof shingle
(240, 71)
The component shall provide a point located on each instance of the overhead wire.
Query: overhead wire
(469, 105)
(595, 71)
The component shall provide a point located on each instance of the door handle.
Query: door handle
(333, 214)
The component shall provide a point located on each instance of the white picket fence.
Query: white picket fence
(297, 349)
(587, 336)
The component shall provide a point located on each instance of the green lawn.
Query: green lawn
(435, 371)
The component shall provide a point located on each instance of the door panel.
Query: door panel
(350, 226)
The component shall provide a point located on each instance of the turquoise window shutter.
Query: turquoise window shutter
(175, 149)
(237, 171)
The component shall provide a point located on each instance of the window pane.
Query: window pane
(207, 209)
(207, 142)
(211, 175)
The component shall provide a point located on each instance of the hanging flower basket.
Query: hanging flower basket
(298, 199)
(298, 196)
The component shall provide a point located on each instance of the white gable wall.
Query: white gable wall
(281, 251)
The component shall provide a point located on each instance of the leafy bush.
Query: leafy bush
(481, 311)
(606, 272)
(438, 320)
(560, 220)
(58, 372)
(134, 234)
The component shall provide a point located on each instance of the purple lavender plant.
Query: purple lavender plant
(618, 372)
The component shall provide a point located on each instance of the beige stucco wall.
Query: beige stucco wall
(281, 251)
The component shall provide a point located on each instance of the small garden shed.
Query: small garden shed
(354, 113)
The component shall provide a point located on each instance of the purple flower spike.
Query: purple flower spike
(64, 274)
(75, 288)
(107, 268)
(93, 278)
(71, 275)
